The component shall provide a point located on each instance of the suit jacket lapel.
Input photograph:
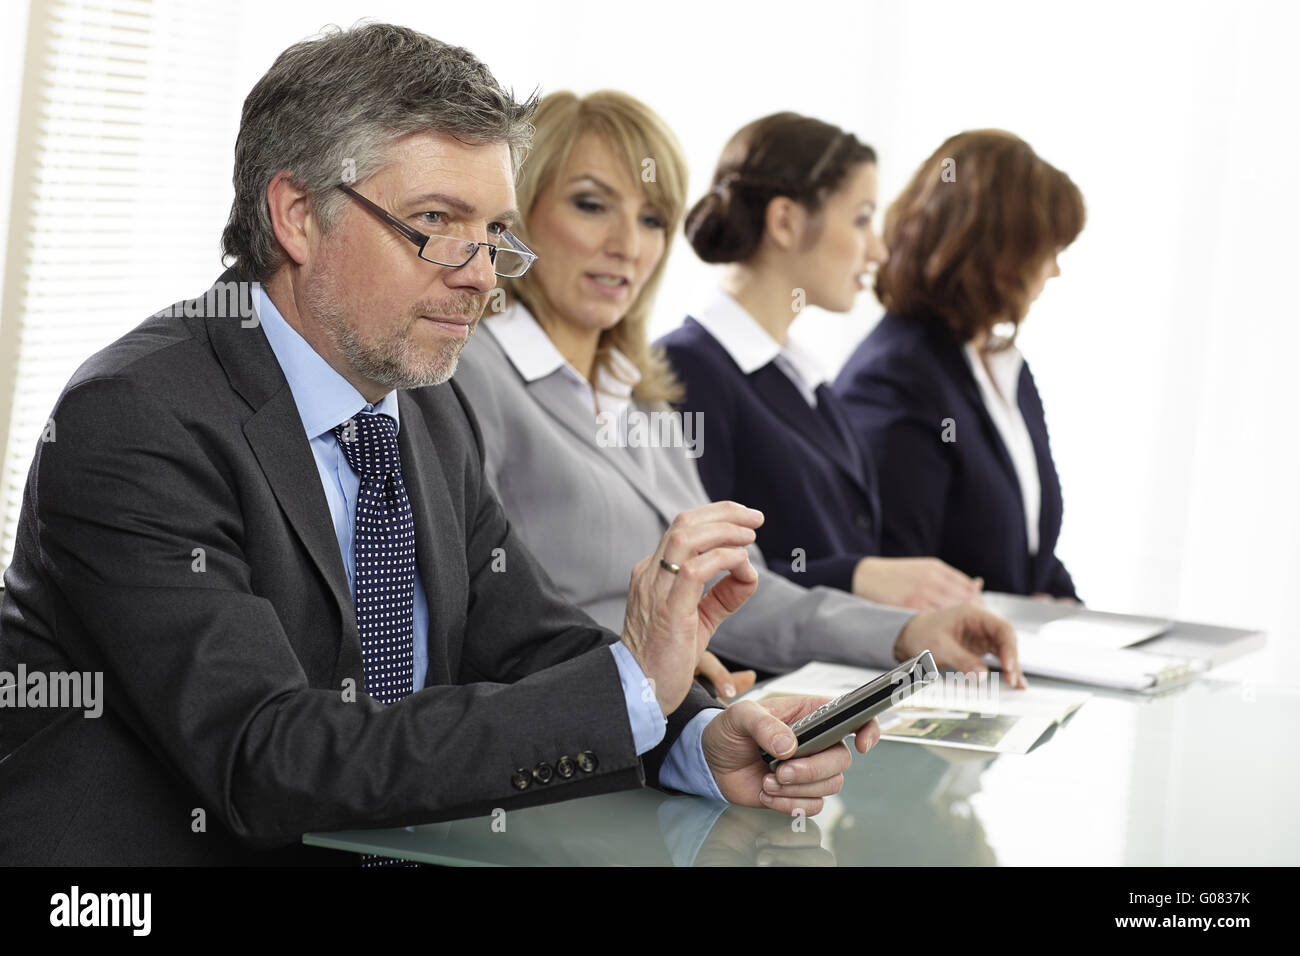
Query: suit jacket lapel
(781, 395)
(1049, 483)
(555, 395)
(276, 435)
(828, 402)
(959, 371)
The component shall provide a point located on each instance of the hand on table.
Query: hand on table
(921, 583)
(959, 637)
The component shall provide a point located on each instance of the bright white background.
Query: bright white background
(1164, 352)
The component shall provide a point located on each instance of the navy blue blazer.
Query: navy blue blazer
(764, 446)
(957, 500)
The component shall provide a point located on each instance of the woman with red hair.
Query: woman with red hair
(939, 392)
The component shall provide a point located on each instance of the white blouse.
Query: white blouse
(533, 353)
(751, 346)
(1001, 400)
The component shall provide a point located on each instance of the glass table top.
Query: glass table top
(1204, 774)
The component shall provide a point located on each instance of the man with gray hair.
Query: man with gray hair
(271, 530)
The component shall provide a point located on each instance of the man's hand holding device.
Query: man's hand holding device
(786, 754)
(735, 742)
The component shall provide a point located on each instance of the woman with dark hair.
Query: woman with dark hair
(940, 395)
(790, 213)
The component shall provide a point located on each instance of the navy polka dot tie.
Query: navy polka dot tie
(384, 556)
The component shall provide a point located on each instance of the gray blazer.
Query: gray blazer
(590, 512)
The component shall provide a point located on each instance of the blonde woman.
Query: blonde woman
(589, 462)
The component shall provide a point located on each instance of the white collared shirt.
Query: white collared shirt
(532, 352)
(751, 346)
(1003, 406)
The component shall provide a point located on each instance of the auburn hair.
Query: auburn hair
(968, 232)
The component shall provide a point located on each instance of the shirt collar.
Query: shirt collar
(1003, 369)
(749, 344)
(535, 356)
(805, 366)
(323, 396)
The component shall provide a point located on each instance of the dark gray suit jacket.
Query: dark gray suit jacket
(224, 688)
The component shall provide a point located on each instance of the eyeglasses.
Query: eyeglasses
(510, 259)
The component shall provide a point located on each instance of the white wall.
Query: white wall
(1163, 352)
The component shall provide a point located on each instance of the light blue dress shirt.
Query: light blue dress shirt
(326, 399)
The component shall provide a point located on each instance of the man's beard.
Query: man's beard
(398, 361)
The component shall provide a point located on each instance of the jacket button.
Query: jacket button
(565, 767)
(863, 521)
(543, 773)
(520, 779)
(587, 762)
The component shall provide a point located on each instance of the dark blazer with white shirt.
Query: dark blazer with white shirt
(767, 448)
(907, 388)
(226, 686)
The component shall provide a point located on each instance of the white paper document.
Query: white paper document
(1080, 660)
(1097, 631)
(955, 711)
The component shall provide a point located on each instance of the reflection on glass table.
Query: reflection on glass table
(1204, 774)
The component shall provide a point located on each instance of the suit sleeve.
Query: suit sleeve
(903, 431)
(1059, 583)
(199, 667)
(784, 626)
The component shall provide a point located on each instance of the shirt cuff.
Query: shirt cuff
(643, 713)
(685, 768)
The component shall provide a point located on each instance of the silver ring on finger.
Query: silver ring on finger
(669, 566)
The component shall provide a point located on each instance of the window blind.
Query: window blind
(121, 187)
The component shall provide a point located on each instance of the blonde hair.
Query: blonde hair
(637, 135)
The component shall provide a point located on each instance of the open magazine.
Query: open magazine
(966, 711)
